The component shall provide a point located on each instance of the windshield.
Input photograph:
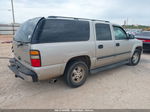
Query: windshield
(24, 33)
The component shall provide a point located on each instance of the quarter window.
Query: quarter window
(103, 32)
(57, 30)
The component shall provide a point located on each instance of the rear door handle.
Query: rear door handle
(100, 46)
(117, 44)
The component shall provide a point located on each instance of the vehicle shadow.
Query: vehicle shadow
(107, 72)
(60, 83)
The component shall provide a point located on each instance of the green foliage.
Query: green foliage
(136, 27)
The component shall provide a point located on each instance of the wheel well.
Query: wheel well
(85, 59)
(139, 48)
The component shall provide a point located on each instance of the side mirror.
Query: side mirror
(130, 36)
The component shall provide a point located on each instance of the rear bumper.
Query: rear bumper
(22, 71)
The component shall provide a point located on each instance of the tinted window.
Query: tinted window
(103, 32)
(119, 33)
(55, 30)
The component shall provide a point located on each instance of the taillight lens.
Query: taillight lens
(144, 40)
(35, 58)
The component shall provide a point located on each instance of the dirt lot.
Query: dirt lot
(123, 87)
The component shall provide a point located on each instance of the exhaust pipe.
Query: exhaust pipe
(52, 81)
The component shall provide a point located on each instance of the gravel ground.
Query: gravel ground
(125, 87)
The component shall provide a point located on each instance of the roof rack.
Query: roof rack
(76, 18)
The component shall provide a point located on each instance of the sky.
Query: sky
(116, 11)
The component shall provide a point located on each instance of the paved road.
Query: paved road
(123, 87)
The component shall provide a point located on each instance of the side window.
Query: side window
(57, 30)
(119, 33)
(103, 31)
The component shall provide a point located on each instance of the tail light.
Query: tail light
(35, 58)
(144, 40)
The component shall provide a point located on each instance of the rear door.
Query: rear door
(105, 44)
(123, 45)
(21, 52)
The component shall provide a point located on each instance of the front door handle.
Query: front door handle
(100, 46)
(117, 44)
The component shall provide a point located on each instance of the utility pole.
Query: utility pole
(13, 16)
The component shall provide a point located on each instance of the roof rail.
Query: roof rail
(76, 18)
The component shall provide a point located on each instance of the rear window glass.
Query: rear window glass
(56, 30)
(103, 32)
(24, 33)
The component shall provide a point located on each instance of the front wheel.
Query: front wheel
(76, 74)
(135, 58)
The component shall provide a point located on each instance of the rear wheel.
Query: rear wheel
(76, 74)
(135, 58)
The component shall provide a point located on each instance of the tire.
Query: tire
(76, 74)
(135, 58)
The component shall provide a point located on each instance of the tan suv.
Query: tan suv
(45, 48)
